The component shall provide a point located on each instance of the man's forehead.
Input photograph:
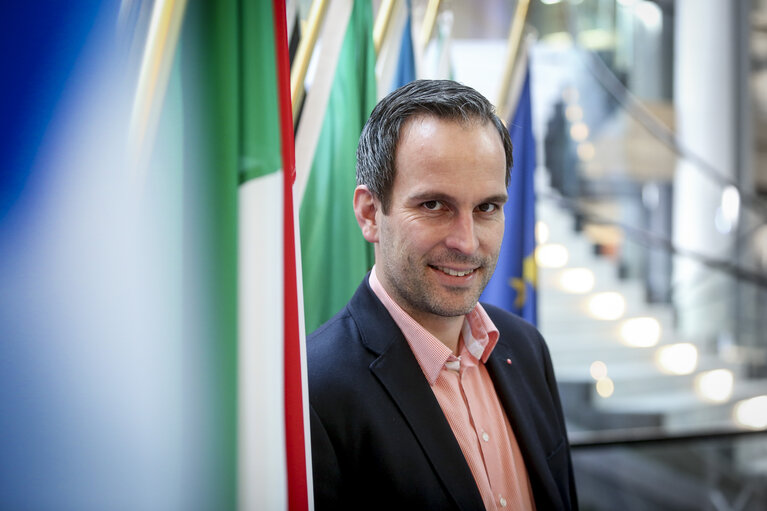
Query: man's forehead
(424, 130)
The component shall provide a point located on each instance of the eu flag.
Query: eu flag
(513, 285)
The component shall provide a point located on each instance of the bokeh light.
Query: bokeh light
(598, 370)
(607, 306)
(605, 387)
(715, 386)
(679, 358)
(642, 332)
(576, 280)
(552, 255)
(752, 413)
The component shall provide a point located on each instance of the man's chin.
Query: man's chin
(451, 309)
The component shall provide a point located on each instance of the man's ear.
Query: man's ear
(365, 209)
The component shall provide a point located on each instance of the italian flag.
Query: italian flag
(273, 452)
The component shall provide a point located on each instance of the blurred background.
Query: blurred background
(636, 239)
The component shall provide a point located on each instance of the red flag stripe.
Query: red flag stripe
(295, 448)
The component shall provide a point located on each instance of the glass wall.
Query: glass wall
(650, 119)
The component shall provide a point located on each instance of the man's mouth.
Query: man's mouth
(454, 273)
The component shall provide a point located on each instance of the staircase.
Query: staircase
(639, 393)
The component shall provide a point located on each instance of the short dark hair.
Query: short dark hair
(444, 99)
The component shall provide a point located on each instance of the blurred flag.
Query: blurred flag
(513, 285)
(121, 285)
(435, 60)
(405, 72)
(97, 363)
(395, 63)
(334, 254)
(272, 454)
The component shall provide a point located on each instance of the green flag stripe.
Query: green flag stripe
(210, 83)
(260, 121)
(335, 257)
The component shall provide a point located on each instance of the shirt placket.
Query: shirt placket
(468, 380)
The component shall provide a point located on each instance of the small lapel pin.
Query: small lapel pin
(508, 361)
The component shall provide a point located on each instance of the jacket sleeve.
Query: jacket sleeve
(328, 491)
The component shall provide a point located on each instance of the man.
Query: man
(421, 398)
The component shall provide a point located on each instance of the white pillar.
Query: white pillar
(705, 98)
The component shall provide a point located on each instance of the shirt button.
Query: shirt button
(485, 437)
(503, 502)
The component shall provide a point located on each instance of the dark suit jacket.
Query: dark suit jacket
(379, 437)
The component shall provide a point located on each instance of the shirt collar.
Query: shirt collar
(478, 331)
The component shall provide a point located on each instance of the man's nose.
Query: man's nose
(462, 236)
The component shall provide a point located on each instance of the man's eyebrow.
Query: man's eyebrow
(442, 197)
(500, 198)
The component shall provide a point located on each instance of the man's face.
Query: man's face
(438, 245)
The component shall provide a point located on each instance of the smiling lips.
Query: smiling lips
(454, 273)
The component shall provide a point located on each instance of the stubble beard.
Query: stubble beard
(419, 296)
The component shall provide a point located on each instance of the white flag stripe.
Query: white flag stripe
(302, 335)
(518, 77)
(262, 464)
(434, 61)
(388, 56)
(313, 115)
(156, 62)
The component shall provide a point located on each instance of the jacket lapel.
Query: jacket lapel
(510, 387)
(398, 371)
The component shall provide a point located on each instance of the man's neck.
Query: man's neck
(447, 330)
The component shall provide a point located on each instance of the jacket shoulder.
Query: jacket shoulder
(332, 341)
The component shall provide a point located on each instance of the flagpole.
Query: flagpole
(382, 23)
(429, 20)
(154, 74)
(514, 42)
(304, 54)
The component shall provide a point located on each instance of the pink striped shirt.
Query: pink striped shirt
(467, 397)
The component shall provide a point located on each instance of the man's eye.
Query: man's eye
(432, 205)
(487, 207)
